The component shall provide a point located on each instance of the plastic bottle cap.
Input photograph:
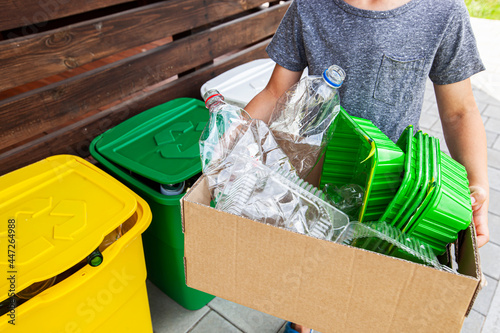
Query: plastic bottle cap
(334, 76)
(211, 93)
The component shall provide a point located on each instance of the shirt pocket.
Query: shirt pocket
(396, 79)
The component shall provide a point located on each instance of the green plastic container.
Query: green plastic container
(413, 209)
(418, 150)
(449, 209)
(406, 142)
(159, 146)
(431, 187)
(360, 153)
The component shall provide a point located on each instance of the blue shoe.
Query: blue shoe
(289, 329)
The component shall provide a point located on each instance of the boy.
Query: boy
(388, 48)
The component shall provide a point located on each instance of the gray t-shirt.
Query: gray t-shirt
(387, 55)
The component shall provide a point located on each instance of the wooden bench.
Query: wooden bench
(70, 70)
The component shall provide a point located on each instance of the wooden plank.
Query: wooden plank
(66, 48)
(20, 13)
(40, 110)
(75, 139)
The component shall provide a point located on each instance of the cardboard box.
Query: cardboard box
(323, 285)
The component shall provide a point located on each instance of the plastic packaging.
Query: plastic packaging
(282, 199)
(230, 133)
(385, 239)
(348, 198)
(302, 117)
(360, 153)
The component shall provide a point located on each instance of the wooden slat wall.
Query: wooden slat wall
(65, 116)
(42, 109)
(18, 13)
(66, 48)
(75, 139)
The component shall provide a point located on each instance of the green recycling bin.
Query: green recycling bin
(156, 154)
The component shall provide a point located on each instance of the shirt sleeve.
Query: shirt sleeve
(457, 57)
(286, 47)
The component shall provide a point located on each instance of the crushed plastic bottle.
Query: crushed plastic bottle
(226, 124)
(231, 133)
(348, 198)
(385, 239)
(282, 199)
(302, 118)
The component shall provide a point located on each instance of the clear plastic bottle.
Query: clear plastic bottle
(231, 133)
(301, 120)
(227, 122)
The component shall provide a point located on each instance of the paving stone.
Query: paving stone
(492, 111)
(282, 329)
(433, 110)
(429, 91)
(481, 106)
(485, 97)
(494, 202)
(494, 178)
(167, 315)
(485, 119)
(246, 319)
(492, 125)
(494, 158)
(483, 300)
(473, 323)
(427, 120)
(496, 144)
(427, 104)
(490, 264)
(492, 322)
(437, 127)
(494, 226)
(492, 140)
(214, 323)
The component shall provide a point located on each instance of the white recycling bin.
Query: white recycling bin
(240, 84)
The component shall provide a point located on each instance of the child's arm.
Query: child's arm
(262, 105)
(466, 139)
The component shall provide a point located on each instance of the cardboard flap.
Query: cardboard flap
(469, 262)
(196, 196)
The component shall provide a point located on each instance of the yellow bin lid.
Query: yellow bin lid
(53, 214)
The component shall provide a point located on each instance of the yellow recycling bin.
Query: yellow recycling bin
(71, 256)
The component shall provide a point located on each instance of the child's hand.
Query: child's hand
(479, 200)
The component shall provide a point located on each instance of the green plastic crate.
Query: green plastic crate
(360, 153)
(407, 144)
(431, 186)
(449, 209)
(413, 209)
(418, 151)
(159, 146)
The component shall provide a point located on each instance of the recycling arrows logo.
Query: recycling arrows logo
(36, 211)
(170, 148)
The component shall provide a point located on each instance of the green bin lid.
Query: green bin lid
(161, 143)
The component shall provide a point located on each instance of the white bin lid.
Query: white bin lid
(240, 84)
